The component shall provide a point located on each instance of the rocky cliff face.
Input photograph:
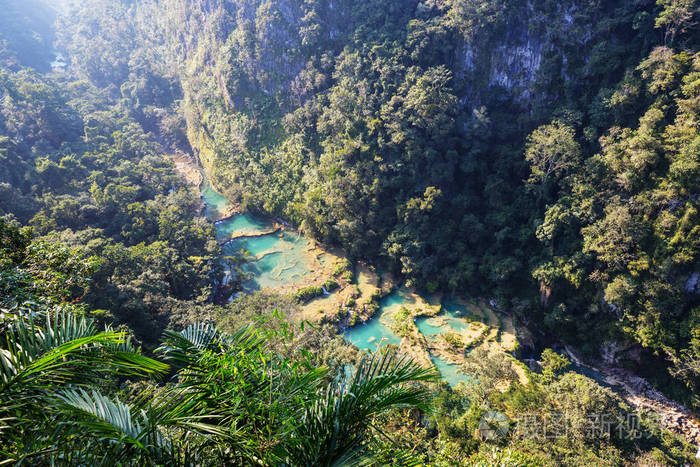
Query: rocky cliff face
(279, 54)
(517, 49)
(511, 62)
(536, 44)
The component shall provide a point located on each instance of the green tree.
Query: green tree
(552, 151)
(676, 17)
(553, 364)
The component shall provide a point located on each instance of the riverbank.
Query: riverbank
(642, 396)
(185, 165)
(283, 261)
(367, 307)
(436, 330)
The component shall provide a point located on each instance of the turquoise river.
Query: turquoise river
(278, 259)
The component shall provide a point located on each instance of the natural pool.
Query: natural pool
(240, 224)
(277, 258)
(374, 333)
(452, 317)
(449, 371)
(215, 204)
(370, 334)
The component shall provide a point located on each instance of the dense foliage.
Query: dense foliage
(82, 173)
(60, 401)
(26, 33)
(542, 153)
(75, 395)
(554, 417)
(272, 394)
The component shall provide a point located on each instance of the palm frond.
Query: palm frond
(185, 347)
(156, 425)
(77, 361)
(104, 417)
(25, 365)
(334, 428)
(67, 349)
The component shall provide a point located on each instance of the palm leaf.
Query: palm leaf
(155, 425)
(334, 428)
(185, 347)
(45, 352)
(23, 366)
(54, 354)
(103, 417)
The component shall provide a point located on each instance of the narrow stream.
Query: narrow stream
(215, 204)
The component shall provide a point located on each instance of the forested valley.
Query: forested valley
(537, 163)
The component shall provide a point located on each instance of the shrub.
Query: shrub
(331, 285)
(305, 294)
(342, 313)
(453, 339)
(402, 322)
(342, 267)
(348, 276)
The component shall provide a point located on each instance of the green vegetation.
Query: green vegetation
(569, 184)
(82, 172)
(344, 266)
(72, 392)
(402, 322)
(551, 419)
(545, 154)
(60, 374)
(26, 34)
(331, 285)
(453, 339)
(305, 294)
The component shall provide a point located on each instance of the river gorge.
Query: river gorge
(438, 331)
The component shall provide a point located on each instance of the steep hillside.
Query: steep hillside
(543, 153)
(403, 131)
(525, 175)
